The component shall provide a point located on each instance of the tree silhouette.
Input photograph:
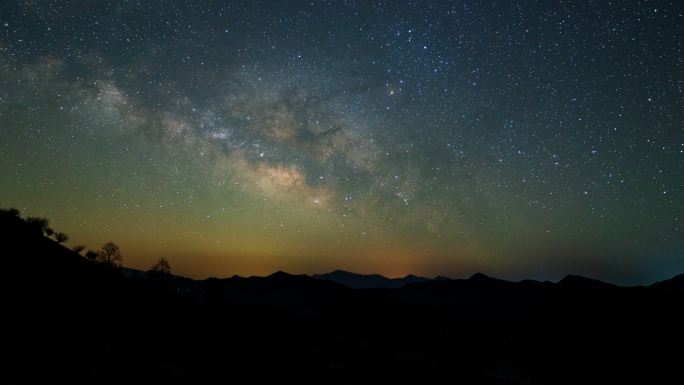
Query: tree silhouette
(49, 231)
(161, 268)
(38, 225)
(78, 249)
(10, 212)
(110, 254)
(61, 237)
(91, 255)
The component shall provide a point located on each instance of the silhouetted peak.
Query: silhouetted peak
(677, 278)
(530, 281)
(572, 280)
(338, 271)
(676, 282)
(409, 279)
(368, 281)
(479, 277)
(280, 274)
(344, 273)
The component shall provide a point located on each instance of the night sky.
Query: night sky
(522, 139)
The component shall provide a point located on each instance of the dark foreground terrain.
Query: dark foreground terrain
(69, 320)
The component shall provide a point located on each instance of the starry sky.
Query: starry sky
(522, 139)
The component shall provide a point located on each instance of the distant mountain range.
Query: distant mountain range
(368, 281)
(377, 281)
(76, 319)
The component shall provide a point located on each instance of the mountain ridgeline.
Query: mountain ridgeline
(368, 281)
(89, 321)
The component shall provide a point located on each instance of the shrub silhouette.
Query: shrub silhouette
(78, 249)
(61, 237)
(39, 226)
(10, 212)
(12, 223)
(91, 255)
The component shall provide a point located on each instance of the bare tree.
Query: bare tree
(61, 237)
(78, 249)
(162, 267)
(110, 254)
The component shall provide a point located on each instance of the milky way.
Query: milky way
(521, 139)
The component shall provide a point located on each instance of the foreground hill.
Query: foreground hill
(71, 319)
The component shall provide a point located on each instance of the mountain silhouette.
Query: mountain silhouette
(584, 283)
(86, 322)
(675, 283)
(369, 281)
